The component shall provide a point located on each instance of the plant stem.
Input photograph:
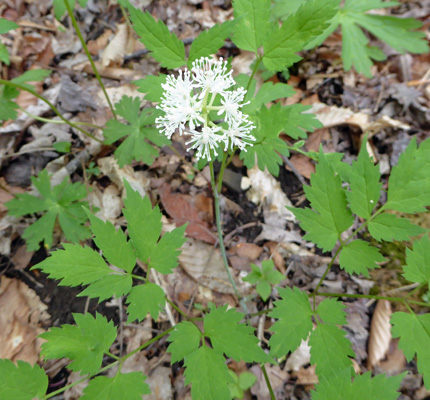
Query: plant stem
(51, 106)
(266, 378)
(176, 308)
(221, 172)
(221, 238)
(257, 63)
(87, 52)
(371, 296)
(55, 121)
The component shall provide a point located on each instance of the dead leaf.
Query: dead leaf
(22, 257)
(303, 165)
(118, 47)
(380, 333)
(94, 46)
(21, 313)
(248, 250)
(277, 379)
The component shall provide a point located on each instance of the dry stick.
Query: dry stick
(51, 106)
(87, 52)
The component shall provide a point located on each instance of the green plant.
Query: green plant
(5, 26)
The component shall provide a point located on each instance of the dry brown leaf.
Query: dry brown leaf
(118, 47)
(21, 311)
(380, 333)
(299, 358)
(249, 250)
(22, 257)
(303, 165)
(94, 46)
(306, 376)
(395, 361)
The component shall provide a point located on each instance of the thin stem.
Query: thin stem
(221, 238)
(87, 52)
(176, 308)
(257, 63)
(418, 288)
(371, 296)
(56, 121)
(124, 12)
(266, 378)
(141, 278)
(221, 172)
(113, 356)
(51, 106)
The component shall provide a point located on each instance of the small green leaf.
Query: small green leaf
(297, 121)
(417, 268)
(4, 58)
(330, 350)
(131, 386)
(331, 312)
(165, 47)
(388, 227)
(84, 344)
(144, 299)
(7, 25)
(151, 85)
(62, 147)
(414, 333)
(184, 340)
(358, 257)
(22, 381)
(265, 276)
(208, 374)
(294, 323)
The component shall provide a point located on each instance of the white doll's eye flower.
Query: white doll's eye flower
(205, 141)
(238, 134)
(232, 102)
(211, 75)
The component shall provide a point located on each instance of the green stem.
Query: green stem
(371, 296)
(221, 238)
(221, 172)
(87, 52)
(257, 63)
(51, 106)
(418, 288)
(266, 378)
(141, 278)
(176, 308)
(56, 121)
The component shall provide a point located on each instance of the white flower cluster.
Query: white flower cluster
(189, 98)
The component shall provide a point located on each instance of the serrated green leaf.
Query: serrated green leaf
(329, 216)
(210, 41)
(297, 121)
(32, 75)
(131, 386)
(269, 124)
(151, 86)
(294, 323)
(60, 8)
(144, 299)
(84, 344)
(364, 387)
(7, 25)
(417, 268)
(388, 227)
(265, 276)
(208, 374)
(165, 47)
(109, 286)
(252, 23)
(414, 333)
(331, 312)
(116, 249)
(310, 20)
(357, 257)
(22, 381)
(409, 183)
(184, 340)
(139, 135)
(268, 92)
(330, 350)
(230, 337)
(365, 185)
(61, 201)
(281, 9)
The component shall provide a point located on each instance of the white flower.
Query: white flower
(212, 75)
(238, 133)
(205, 141)
(231, 104)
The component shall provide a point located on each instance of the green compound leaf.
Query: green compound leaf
(208, 374)
(151, 86)
(330, 349)
(84, 344)
(139, 134)
(297, 121)
(264, 277)
(184, 340)
(14, 377)
(230, 337)
(131, 386)
(210, 41)
(414, 333)
(358, 257)
(294, 323)
(409, 183)
(417, 268)
(144, 227)
(7, 25)
(165, 47)
(310, 21)
(388, 227)
(109, 286)
(61, 201)
(116, 249)
(267, 145)
(364, 184)
(144, 299)
(331, 312)
(329, 216)
(252, 23)
(364, 387)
